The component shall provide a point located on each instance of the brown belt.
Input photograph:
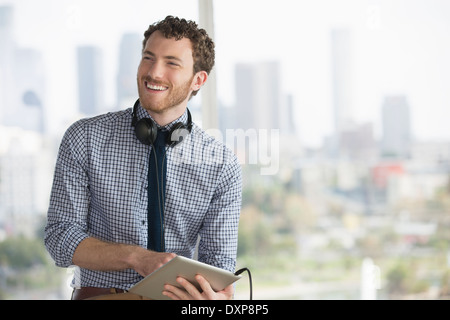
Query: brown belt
(89, 292)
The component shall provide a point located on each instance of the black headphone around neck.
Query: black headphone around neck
(146, 129)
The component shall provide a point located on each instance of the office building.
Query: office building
(90, 80)
(396, 122)
(258, 95)
(342, 84)
(129, 59)
(6, 58)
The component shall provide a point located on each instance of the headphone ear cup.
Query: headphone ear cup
(146, 131)
(178, 133)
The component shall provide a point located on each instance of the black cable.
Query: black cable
(249, 279)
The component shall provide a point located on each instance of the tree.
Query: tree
(21, 253)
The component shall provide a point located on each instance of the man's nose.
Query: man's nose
(156, 70)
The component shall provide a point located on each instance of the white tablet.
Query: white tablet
(152, 286)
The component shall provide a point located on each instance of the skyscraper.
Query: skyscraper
(396, 121)
(22, 80)
(129, 59)
(90, 80)
(6, 58)
(341, 55)
(258, 95)
(30, 84)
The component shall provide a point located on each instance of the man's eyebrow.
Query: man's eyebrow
(146, 52)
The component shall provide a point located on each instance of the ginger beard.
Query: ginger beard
(153, 100)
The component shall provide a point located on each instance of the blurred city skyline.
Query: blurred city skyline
(356, 91)
(396, 48)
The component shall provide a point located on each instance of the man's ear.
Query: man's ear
(199, 80)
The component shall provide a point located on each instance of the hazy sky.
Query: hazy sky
(399, 47)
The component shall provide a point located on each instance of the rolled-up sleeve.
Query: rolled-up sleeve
(69, 200)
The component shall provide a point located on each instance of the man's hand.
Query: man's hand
(190, 292)
(148, 261)
(94, 254)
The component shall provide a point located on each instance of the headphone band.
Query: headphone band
(146, 129)
(134, 120)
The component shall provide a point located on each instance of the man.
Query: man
(99, 217)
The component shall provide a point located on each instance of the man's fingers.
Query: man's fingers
(190, 292)
(208, 292)
(190, 288)
(175, 293)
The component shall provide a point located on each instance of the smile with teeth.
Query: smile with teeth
(155, 87)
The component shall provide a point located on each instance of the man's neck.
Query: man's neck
(168, 116)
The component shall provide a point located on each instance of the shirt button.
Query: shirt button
(143, 222)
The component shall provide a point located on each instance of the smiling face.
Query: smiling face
(166, 77)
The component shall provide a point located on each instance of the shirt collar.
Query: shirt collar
(142, 113)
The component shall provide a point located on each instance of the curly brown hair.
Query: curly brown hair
(203, 46)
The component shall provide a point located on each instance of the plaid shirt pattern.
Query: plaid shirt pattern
(100, 190)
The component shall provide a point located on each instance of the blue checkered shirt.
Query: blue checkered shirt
(100, 190)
